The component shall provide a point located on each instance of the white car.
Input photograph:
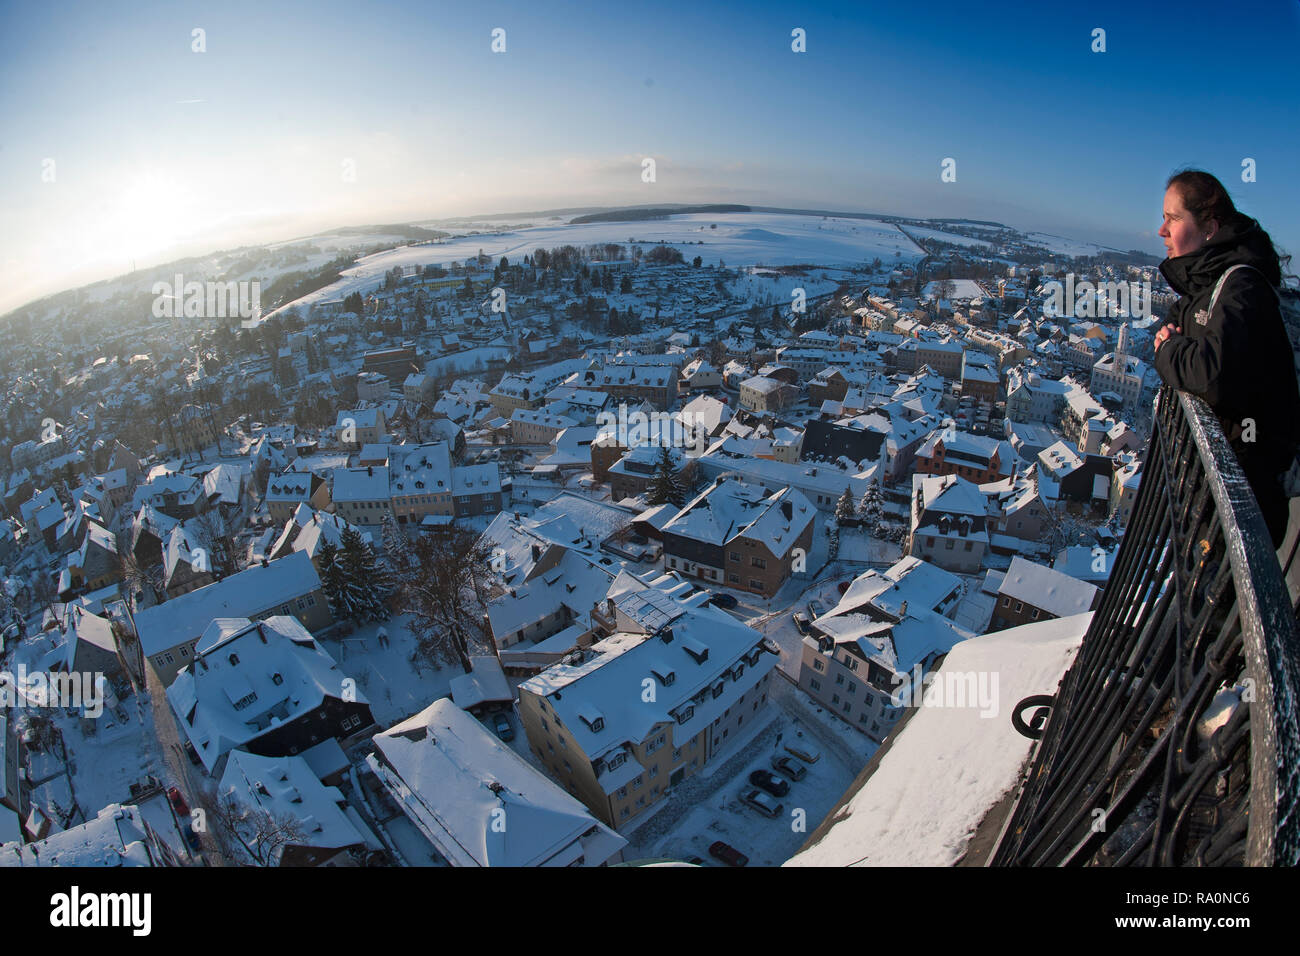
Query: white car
(761, 802)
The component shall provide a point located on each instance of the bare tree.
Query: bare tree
(261, 833)
(215, 538)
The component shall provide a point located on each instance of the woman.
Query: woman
(1235, 355)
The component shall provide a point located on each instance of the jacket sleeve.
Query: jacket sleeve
(1207, 364)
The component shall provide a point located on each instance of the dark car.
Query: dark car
(192, 838)
(790, 767)
(178, 803)
(502, 725)
(776, 786)
(192, 753)
(727, 854)
(725, 601)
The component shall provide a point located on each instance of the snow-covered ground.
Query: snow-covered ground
(740, 239)
(951, 237)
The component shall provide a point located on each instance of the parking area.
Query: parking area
(711, 808)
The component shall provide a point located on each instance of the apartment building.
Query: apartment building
(949, 522)
(884, 629)
(699, 675)
(973, 457)
(1034, 592)
(740, 535)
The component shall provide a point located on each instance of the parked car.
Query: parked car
(776, 786)
(801, 621)
(178, 803)
(763, 803)
(804, 751)
(790, 767)
(192, 838)
(816, 608)
(725, 601)
(502, 725)
(727, 854)
(192, 753)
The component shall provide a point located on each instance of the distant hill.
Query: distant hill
(638, 214)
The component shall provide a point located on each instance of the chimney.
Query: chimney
(902, 609)
(370, 471)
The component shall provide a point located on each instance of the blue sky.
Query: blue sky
(159, 151)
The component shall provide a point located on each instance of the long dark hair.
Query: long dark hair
(1206, 198)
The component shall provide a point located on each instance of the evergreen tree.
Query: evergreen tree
(397, 546)
(871, 508)
(334, 582)
(368, 583)
(844, 508)
(833, 543)
(666, 485)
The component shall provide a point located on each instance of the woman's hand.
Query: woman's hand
(1163, 335)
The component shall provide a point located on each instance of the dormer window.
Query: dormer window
(666, 676)
(277, 679)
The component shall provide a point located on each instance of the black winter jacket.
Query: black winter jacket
(1239, 359)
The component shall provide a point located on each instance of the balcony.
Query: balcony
(1172, 739)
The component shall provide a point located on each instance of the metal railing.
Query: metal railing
(1174, 738)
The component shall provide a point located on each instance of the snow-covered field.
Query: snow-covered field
(1067, 247)
(950, 237)
(740, 239)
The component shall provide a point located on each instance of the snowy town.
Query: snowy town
(596, 540)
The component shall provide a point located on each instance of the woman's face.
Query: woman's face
(1179, 230)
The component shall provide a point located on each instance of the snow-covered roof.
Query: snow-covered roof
(706, 646)
(286, 787)
(1047, 589)
(249, 678)
(458, 783)
(730, 508)
(910, 810)
(249, 593)
(116, 837)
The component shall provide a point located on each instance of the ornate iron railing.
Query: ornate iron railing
(1173, 738)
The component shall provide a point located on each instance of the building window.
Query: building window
(758, 563)
(839, 678)
(1019, 606)
(815, 684)
(818, 666)
(622, 792)
(835, 698)
(852, 687)
(735, 556)
(625, 813)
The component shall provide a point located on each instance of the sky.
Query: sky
(124, 144)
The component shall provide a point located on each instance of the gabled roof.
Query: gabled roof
(249, 678)
(455, 779)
